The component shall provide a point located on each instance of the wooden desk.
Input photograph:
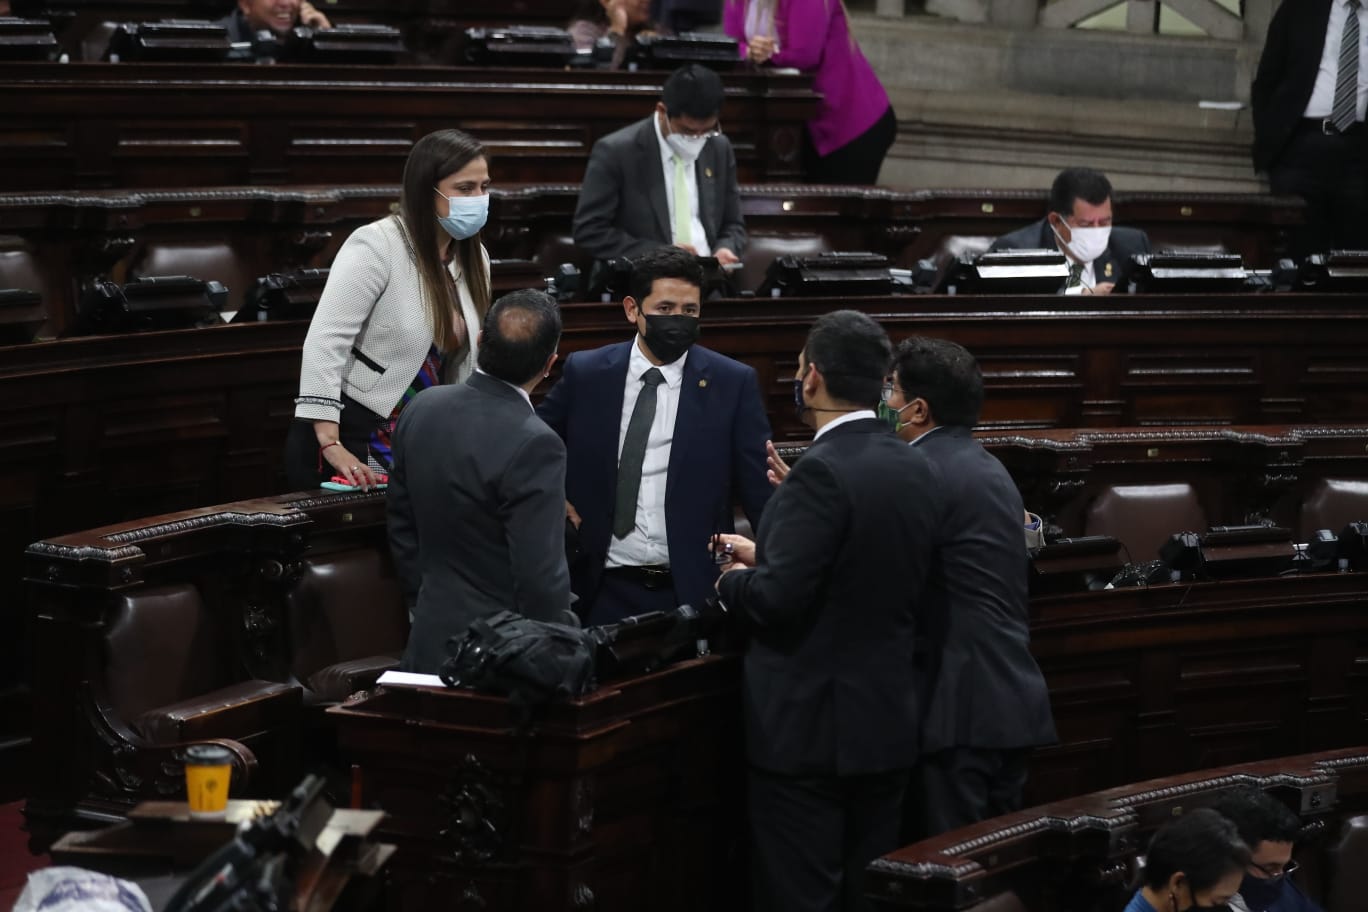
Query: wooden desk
(174, 125)
(625, 799)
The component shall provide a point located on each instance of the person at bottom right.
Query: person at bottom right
(1269, 828)
(984, 700)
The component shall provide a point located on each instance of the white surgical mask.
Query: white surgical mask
(687, 147)
(466, 215)
(1087, 244)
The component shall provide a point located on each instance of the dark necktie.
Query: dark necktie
(1345, 111)
(634, 454)
(1075, 275)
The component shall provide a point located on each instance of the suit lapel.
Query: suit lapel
(705, 171)
(653, 171)
(693, 402)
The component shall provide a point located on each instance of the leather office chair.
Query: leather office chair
(347, 623)
(1332, 503)
(763, 250)
(215, 262)
(1143, 517)
(166, 677)
(1350, 882)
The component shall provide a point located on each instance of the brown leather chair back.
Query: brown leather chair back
(1350, 883)
(208, 261)
(763, 250)
(1333, 503)
(1143, 517)
(162, 646)
(347, 605)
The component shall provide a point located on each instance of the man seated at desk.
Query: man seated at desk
(1269, 828)
(278, 16)
(664, 436)
(669, 179)
(476, 501)
(1079, 224)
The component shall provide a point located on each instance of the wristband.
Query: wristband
(324, 447)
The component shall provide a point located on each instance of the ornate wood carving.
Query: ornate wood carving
(476, 818)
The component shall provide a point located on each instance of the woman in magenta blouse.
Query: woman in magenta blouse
(854, 126)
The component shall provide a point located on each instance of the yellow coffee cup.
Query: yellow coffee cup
(208, 769)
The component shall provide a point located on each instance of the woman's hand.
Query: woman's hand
(761, 49)
(336, 455)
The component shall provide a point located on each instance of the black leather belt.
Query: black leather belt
(652, 578)
(1327, 127)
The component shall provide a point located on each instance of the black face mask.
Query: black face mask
(1258, 893)
(669, 336)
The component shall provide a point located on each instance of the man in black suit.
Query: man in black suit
(477, 491)
(1308, 100)
(832, 593)
(986, 704)
(667, 180)
(1079, 223)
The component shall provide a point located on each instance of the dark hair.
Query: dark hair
(853, 353)
(945, 375)
(1201, 844)
(694, 91)
(663, 263)
(1078, 184)
(521, 331)
(1258, 816)
(432, 158)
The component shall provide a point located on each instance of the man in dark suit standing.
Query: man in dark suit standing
(667, 180)
(1079, 223)
(477, 494)
(664, 436)
(832, 593)
(1309, 99)
(986, 703)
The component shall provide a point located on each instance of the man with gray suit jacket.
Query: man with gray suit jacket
(984, 700)
(668, 180)
(477, 492)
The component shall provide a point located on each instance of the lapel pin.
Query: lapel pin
(707, 172)
(702, 384)
(1107, 270)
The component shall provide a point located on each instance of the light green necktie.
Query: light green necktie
(683, 223)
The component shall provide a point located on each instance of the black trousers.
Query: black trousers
(858, 161)
(1331, 174)
(618, 598)
(811, 838)
(963, 785)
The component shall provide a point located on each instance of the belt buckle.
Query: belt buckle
(1328, 127)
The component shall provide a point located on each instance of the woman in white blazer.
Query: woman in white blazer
(401, 311)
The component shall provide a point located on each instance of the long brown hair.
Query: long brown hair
(432, 158)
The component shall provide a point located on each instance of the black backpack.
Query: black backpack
(531, 662)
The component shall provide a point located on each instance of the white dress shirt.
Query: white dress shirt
(647, 544)
(699, 241)
(844, 419)
(1323, 94)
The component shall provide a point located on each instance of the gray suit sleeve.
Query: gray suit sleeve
(601, 196)
(732, 230)
(532, 506)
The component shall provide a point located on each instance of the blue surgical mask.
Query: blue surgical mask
(466, 215)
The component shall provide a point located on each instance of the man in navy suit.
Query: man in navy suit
(663, 437)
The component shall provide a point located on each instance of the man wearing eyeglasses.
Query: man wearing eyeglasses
(1269, 828)
(667, 180)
